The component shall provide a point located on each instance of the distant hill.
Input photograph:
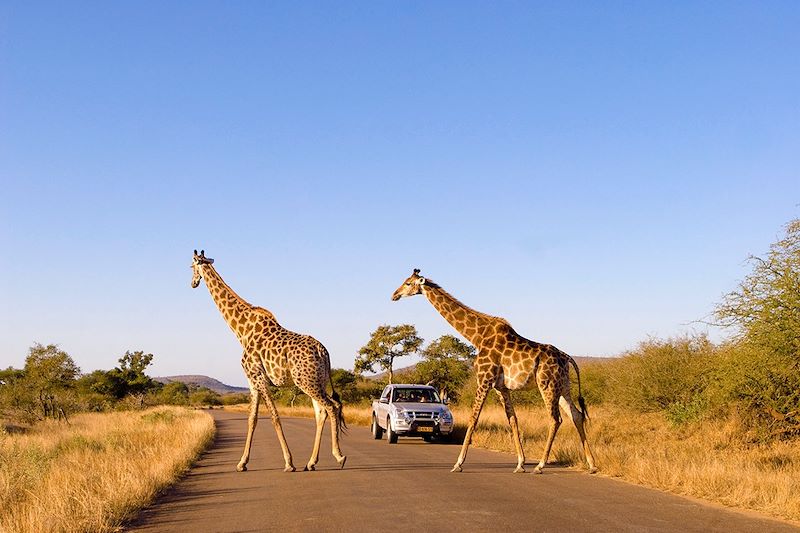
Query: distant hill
(203, 381)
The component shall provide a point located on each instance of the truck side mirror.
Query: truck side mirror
(446, 401)
(384, 400)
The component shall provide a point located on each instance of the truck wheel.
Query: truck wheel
(391, 436)
(377, 431)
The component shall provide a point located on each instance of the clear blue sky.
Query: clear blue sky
(595, 173)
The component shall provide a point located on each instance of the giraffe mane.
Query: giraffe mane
(433, 285)
(262, 311)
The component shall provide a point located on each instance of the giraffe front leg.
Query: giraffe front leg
(260, 381)
(276, 422)
(505, 400)
(252, 421)
(480, 396)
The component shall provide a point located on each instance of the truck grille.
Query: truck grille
(422, 415)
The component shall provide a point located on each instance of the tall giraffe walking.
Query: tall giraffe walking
(275, 354)
(507, 361)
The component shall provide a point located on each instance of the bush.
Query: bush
(761, 373)
(670, 376)
(763, 387)
(173, 393)
(235, 398)
(204, 397)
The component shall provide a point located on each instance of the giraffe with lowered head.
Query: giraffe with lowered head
(507, 361)
(275, 354)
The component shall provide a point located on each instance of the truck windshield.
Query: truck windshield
(416, 395)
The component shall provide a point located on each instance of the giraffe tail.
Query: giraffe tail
(581, 401)
(337, 403)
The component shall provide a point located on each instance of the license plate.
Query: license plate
(425, 429)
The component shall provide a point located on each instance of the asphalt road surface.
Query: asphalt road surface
(409, 486)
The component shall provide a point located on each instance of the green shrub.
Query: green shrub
(235, 398)
(670, 376)
(763, 387)
(204, 397)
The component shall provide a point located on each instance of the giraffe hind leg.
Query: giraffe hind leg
(578, 419)
(555, 422)
(328, 407)
(319, 415)
(335, 412)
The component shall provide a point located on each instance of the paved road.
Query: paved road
(409, 486)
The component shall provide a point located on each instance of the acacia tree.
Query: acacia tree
(344, 382)
(446, 364)
(765, 313)
(385, 344)
(765, 309)
(129, 377)
(48, 377)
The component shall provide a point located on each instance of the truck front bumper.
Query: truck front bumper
(422, 428)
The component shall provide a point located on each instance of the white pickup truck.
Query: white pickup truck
(412, 411)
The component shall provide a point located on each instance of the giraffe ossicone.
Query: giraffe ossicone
(507, 361)
(273, 354)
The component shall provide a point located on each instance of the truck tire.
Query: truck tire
(391, 436)
(377, 431)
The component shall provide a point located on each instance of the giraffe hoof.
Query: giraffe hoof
(456, 468)
(289, 468)
(537, 470)
(241, 468)
(593, 470)
(520, 470)
(341, 462)
(309, 468)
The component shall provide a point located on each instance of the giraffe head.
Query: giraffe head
(410, 287)
(197, 267)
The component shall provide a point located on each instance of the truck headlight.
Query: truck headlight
(402, 415)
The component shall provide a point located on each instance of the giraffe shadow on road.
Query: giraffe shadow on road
(444, 467)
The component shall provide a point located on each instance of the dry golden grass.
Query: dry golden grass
(706, 460)
(97, 472)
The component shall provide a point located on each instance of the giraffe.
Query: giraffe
(277, 355)
(507, 361)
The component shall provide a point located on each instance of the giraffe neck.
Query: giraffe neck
(235, 310)
(465, 320)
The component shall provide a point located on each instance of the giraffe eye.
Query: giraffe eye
(408, 283)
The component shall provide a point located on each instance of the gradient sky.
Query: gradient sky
(596, 173)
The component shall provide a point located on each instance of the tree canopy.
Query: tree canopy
(446, 364)
(765, 309)
(385, 344)
(764, 370)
